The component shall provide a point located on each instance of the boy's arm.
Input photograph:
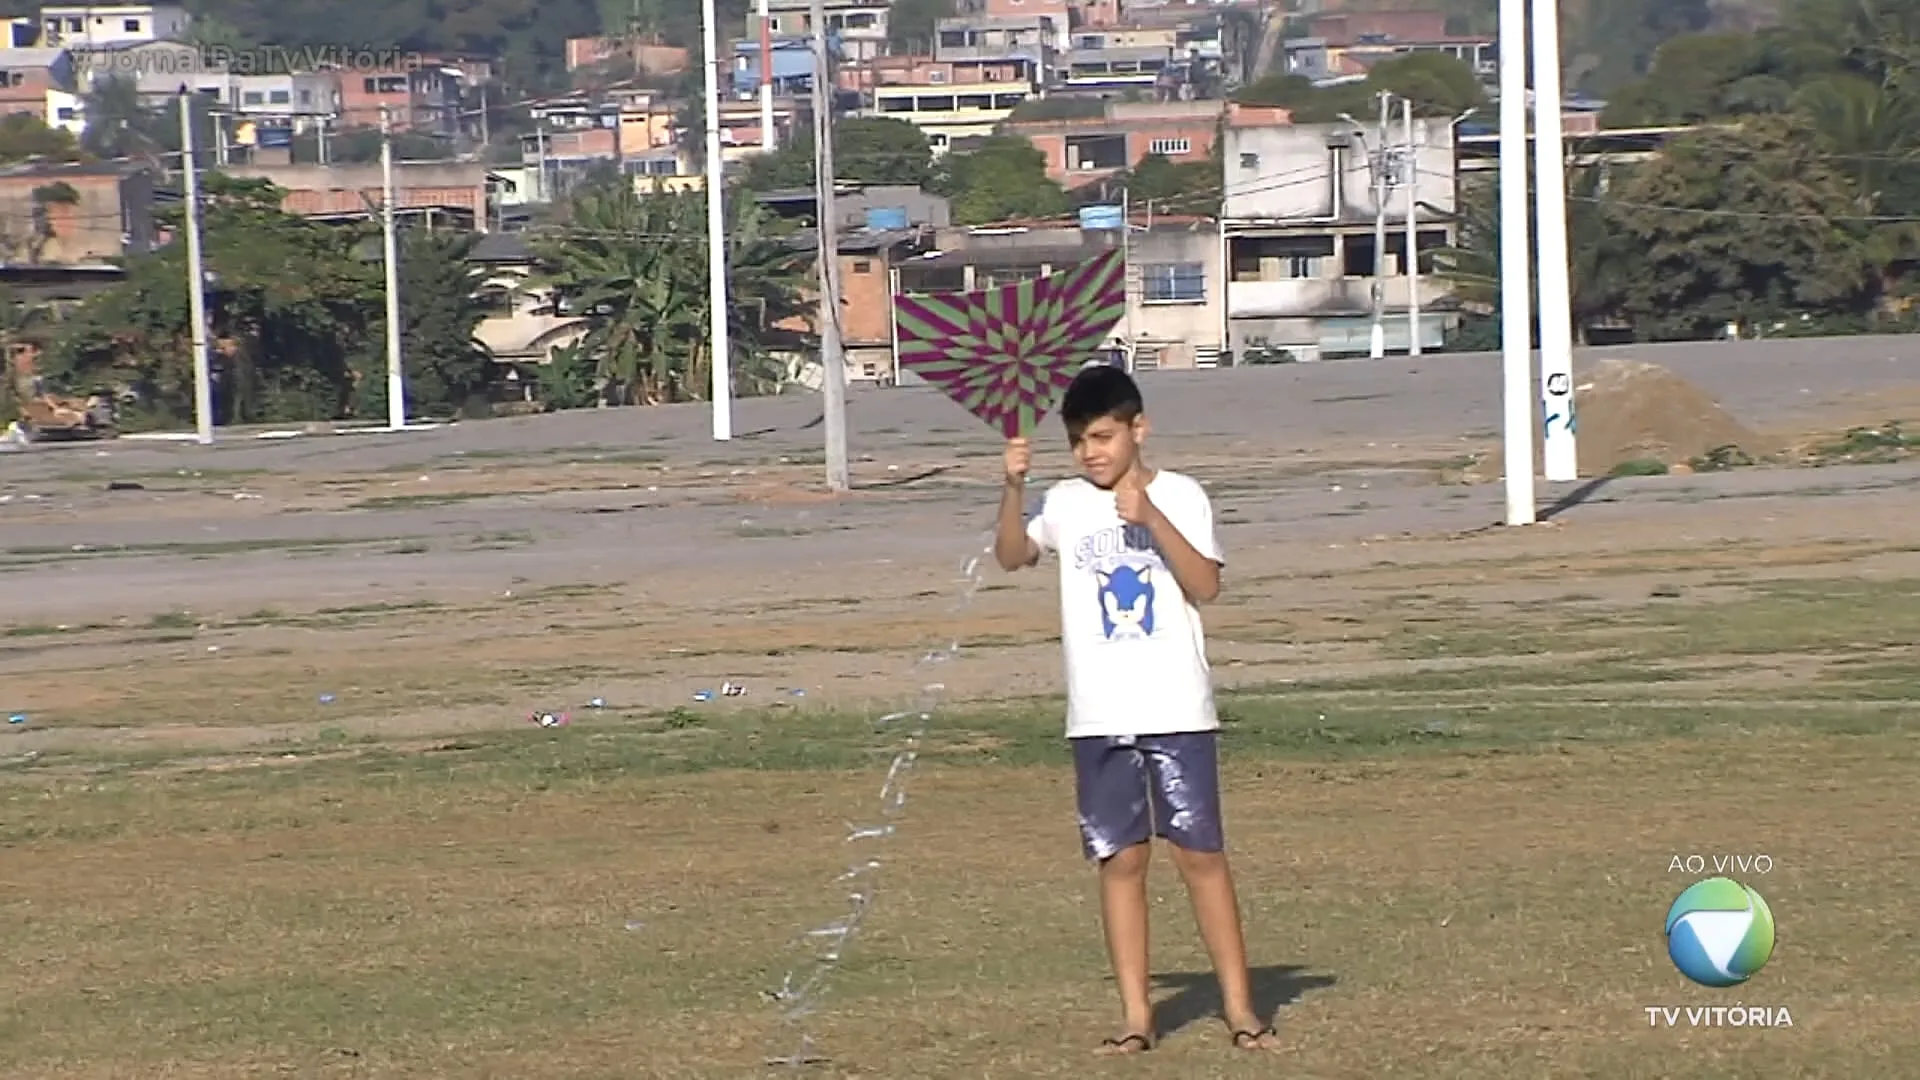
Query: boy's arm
(1014, 547)
(1183, 531)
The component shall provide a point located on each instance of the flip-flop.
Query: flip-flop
(1131, 1043)
(1250, 1040)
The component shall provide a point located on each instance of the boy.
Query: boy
(1137, 552)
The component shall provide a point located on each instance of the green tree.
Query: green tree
(1003, 178)
(866, 149)
(285, 342)
(1749, 227)
(446, 370)
(911, 24)
(24, 135)
(622, 262)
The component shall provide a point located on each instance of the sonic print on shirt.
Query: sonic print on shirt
(1125, 566)
(1126, 601)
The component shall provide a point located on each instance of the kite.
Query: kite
(1007, 354)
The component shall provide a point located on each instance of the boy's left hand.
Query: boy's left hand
(1130, 499)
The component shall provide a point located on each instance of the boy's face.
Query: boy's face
(1107, 448)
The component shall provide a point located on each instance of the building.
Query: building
(899, 70)
(30, 77)
(859, 25)
(444, 191)
(1176, 293)
(1298, 226)
(92, 25)
(522, 327)
(1057, 13)
(640, 57)
(793, 66)
(1110, 136)
(426, 98)
(75, 213)
(868, 259)
(1344, 43)
(291, 102)
(1123, 59)
(946, 112)
(157, 68)
(1035, 39)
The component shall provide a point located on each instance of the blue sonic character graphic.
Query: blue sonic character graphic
(1126, 601)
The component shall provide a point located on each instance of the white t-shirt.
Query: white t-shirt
(1136, 656)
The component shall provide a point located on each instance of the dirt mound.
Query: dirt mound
(1634, 411)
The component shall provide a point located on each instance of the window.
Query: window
(306, 97)
(1170, 147)
(1174, 283)
(938, 77)
(255, 97)
(281, 97)
(371, 86)
(953, 39)
(76, 26)
(896, 105)
(863, 266)
(68, 115)
(131, 26)
(943, 103)
(978, 101)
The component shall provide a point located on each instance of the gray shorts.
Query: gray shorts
(1132, 788)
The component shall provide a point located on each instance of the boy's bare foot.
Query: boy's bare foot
(1248, 1037)
(1130, 1043)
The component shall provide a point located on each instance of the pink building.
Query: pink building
(1081, 151)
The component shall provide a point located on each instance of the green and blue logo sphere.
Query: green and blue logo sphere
(1719, 932)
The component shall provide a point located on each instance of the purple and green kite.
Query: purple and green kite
(1007, 354)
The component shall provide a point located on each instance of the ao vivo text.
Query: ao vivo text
(1721, 864)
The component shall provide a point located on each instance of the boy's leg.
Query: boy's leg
(1110, 782)
(1184, 776)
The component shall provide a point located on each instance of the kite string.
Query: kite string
(805, 985)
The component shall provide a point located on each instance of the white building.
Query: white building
(1298, 227)
(92, 25)
(67, 112)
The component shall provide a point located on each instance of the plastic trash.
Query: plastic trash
(703, 695)
(17, 718)
(732, 690)
(597, 703)
(549, 719)
(326, 699)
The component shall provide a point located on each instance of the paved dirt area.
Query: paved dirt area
(275, 806)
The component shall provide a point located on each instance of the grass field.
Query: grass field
(1453, 850)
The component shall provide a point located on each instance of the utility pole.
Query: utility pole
(396, 384)
(1516, 279)
(722, 349)
(833, 389)
(1377, 340)
(1559, 453)
(196, 279)
(768, 141)
(1413, 230)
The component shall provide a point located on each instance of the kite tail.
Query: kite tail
(901, 733)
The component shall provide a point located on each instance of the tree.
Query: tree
(24, 135)
(622, 261)
(911, 24)
(1437, 84)
(1749, 227)
(1003, 178)
(866, 149)
(285, 344)
(445, 368)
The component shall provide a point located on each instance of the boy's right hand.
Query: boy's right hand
(1018, 458)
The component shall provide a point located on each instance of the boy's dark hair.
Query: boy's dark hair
(1099, 391)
